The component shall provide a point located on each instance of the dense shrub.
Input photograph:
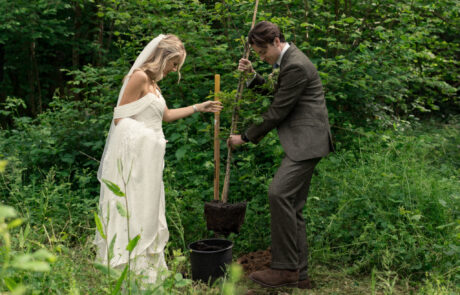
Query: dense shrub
(388, 199)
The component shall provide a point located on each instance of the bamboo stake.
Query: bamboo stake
(235, 116)
(216, 140)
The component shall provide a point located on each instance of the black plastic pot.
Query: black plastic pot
(209, 258)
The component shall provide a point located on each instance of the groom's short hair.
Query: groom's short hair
(264, 33)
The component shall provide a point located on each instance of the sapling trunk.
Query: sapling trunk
(235, 115)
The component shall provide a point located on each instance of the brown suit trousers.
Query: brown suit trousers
(287, 195)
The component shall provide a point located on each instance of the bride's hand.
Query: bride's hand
(210, 106)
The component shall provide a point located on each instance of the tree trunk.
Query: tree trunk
(100, 35)
(76, 36)
(100, 41)
(30, 78)
(112, 24)
(289, 13)
(109, 40)
(307, 11)
(2, 73)
(76, 42)
(226, 21)
(36, 79)
(235, 115)
(337, 12)
(336, 9)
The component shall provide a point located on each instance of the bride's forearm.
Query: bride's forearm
(170, 115)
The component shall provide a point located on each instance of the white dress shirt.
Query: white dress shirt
(278, 61)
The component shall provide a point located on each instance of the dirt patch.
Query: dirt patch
(224, 218)
(254, 261)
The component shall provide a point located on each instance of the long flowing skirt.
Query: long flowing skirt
(134, 161)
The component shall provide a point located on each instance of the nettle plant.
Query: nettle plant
(14, 263)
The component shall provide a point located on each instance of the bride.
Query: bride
(134, 159)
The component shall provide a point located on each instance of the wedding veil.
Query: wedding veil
(140, 60)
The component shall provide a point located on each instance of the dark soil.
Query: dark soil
(224, 218)
(200, 246)
(255, 261)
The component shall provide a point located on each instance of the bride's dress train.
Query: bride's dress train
(138, 144)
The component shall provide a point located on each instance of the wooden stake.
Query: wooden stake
(216, 140)
(235, 116)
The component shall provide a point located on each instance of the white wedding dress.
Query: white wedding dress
(139, 145)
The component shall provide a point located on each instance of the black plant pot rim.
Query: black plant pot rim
(209, 252)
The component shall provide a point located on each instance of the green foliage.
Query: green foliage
(14, 264)
(114, 188)
(391, 64)
(174, 282)
(120, 280)
(394, 193)
(235, 275)
(386, 201)
(383, 60)
(50, 204)
(132, 243)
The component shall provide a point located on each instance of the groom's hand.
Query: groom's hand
(235, 140)
(245, 65)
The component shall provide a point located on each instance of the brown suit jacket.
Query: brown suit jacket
(298, 110)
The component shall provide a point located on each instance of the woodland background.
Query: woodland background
(384, 210)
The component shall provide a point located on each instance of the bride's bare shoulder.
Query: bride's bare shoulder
(136, 88)
(138, 77)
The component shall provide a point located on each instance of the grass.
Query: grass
(337, 282)
(395, 195)
(383, 217)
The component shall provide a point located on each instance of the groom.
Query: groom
(298, 111)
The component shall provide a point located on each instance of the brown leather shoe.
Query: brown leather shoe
(305, 284)
(274, 278)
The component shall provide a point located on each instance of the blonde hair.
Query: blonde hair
(170, 47)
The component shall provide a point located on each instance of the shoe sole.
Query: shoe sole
(274, 286)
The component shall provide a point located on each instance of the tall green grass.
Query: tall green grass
(387, 204)
(396, 194)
